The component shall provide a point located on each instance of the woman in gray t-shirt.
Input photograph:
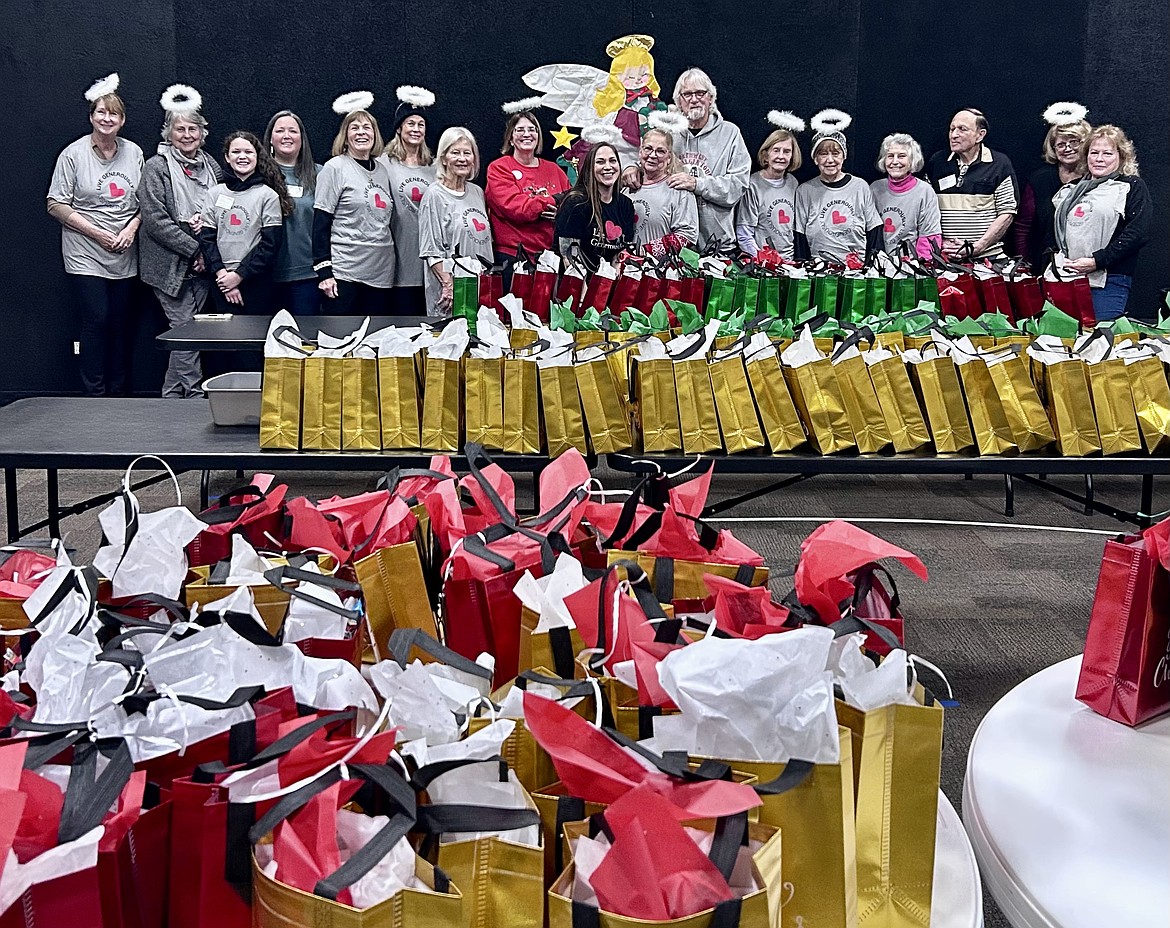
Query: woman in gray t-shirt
(294, 283)
(94, 195)
(908, 206)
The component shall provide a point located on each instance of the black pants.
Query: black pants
(104, 308)
(258, 299)
(299, 297)
(408, 301)
(354, 299)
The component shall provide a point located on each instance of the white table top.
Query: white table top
(957, 897)
(1068, 811)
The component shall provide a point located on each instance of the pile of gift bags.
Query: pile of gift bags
(257, 715)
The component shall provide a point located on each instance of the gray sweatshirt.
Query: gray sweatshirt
(451, 224)
(767, 212)
(906, 217)
(660, 211)
(835, 219)
(719, 161)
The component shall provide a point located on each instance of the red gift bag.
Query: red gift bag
(544, 285)
(673, 288)
(1125, 672)
(597, 293)
(570, 287)
(1026, 295)
(993, 295)
(134, 864)
(694, 291)
(255, 511)
(491, 291)
(1072, 296)
(650, 291)
(959, 297)
(625, 293)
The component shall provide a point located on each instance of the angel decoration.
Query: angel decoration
(621, 99)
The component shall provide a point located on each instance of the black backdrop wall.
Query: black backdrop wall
(895, 66)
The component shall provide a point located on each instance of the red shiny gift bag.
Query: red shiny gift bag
(571, 286)
(597, 294)
(993, 295)
(1125, 671)
(255, 511)
(694, 291)
(959, 297)
(134, 861)
(544, 285)
(491, 291)
(1072, 296)
(1026, 295)
(650, 291)
(625, 293)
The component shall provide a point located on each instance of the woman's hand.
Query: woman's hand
(228, 280)
(107, 240)
(196, 223)
(446, 294)
(124, 239)
(1081, 265)
(681, 181)
(234, 297)
(328, 287)
(198, 265)
(632, 178)
(549, 214)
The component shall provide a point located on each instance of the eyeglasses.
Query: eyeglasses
(660, 152)
(1066, 145)
(693, 94)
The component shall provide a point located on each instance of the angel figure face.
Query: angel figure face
(635, 77)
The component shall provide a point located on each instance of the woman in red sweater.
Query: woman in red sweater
(522, 189)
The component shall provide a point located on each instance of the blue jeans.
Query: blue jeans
(1109, 301)
(299, 297)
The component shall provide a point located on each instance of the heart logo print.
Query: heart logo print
(1079, 212)
(116, 191)
(839, 218)
(782, 217)
(378, 201)
(477, 225)
(415, 195)
(612, 230)
(889, 225)
(235, 220)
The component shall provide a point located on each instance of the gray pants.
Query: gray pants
(183, 370)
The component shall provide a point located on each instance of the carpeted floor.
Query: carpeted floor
(1003, 602)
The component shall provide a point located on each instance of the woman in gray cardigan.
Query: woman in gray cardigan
(174, 185)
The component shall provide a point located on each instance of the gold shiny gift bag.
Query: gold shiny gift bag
(1113, 405)
(816, 819)
(398, 399)
(989, 421)
(275, 905)
(738, 422)
(674, 579)
(557, 808)
(280, 404)
(522, 338)
(395, 593)
(361, 420)
(759, 908)
(899, 405)
(522, 427)
(698, 421)
(1070, 407)
(818, 399)
(897, 753)
(321, 406)
(483, 402)
(556, 648)
(560, 404)
(602, 402)
(655, 405)
(442, 416)
(1012, 378)
(583, 338)
(778, 414)
(894, 340)
(936, 382)
(866, 418)
(1151, 400)
(502, 882)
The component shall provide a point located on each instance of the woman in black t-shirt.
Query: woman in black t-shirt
(595, 220)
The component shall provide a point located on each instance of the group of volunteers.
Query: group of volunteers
(384, 225)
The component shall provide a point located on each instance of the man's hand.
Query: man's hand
(681, 181)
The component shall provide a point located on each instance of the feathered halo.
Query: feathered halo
(786, 119)
(831, 120)
(181, 98)
(526, 105)
(1064, 114)
(102, 87)
(598, 132)
(418, 97)
(352, 102)
(670, 120)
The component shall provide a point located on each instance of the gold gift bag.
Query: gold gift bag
(673, 578)
(778, 413)
(866, 418)
(936, 381)
(483, 402)
(698, 421)
(989, 421)
(280, 404)
(442, 415)
(759, 908)
(601, 402)
(1151, 400)
(502, 882)
(560, 403)
(361, 421)
(1114, 407)
(583, 338)
(817, 821)
(1070, 407)
(556, 648)
(1012, 378)
(398, 399)
(395, 593)
(522, 427)
(655, 405)
(894, 340)
(899, 405)
(522, 338)
(738, 422)
(897, 753)
(321, 408)
(818, 399)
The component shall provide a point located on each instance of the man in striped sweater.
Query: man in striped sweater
(977, 193)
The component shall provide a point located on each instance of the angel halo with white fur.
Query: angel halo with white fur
(831, 120)
(786, 119)
(352, 102)
(597, 133)
(181, 98)
(1065, 114)
(102, 87)
(670, 120)
(418, 97)
(525, 105)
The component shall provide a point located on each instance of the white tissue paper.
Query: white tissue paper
(479, 785)
(279, 344)
(803, 350)
(685, 344)
(546, 595)
(877, 353)
(74, 609)
(652, 349)
(482, 745)
(306, 619)
(156, 560)
(492, 333)
(559, 352)
(863, 685)
(520, 317)
(417, 706)
(548, 261)
(246, 567)
(452, 341)
(168, 726)
(71, 684)
(392, 874)
(759, 346)
(333, 346)
(767, 700)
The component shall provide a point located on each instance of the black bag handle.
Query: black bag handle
(402, 640)
(453, 818)
(278, 575)
(89, 794)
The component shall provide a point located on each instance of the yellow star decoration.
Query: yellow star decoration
(563, 138)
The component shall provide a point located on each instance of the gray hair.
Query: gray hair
(446, 142)
(694, 76)
(172, 117)
(901, 140)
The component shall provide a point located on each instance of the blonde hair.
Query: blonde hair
(1126, 154)
(611, 97)
(1079, 130)
(112, 102)
(901, 140)
(446, 142)
(776, 136)
(341, 142)
(674, 165)
(513, 121)
(396, 150)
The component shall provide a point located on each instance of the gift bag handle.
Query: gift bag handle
(572, 687)
(403, 640)
(277, 576)
(446, 818)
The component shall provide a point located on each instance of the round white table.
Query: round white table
(1068, 811)
(956, 899)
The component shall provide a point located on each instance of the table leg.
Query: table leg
(1089, 494)
(1009, 495)
(1146, 509)
(11, 504)
(54, 503)
(204, 485)
(536, 488)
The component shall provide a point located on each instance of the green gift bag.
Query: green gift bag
(826, 294)
(465, 300)
(769, 302)
(851, 306)
(720, 298)
(903, 294)
(877, 293)
(747, 293)
(926, 289)
(797, 297)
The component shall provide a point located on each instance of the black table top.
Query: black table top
(246, 333)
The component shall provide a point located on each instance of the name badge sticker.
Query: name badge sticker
(946, 183)
(295, 191)
(223, 202)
